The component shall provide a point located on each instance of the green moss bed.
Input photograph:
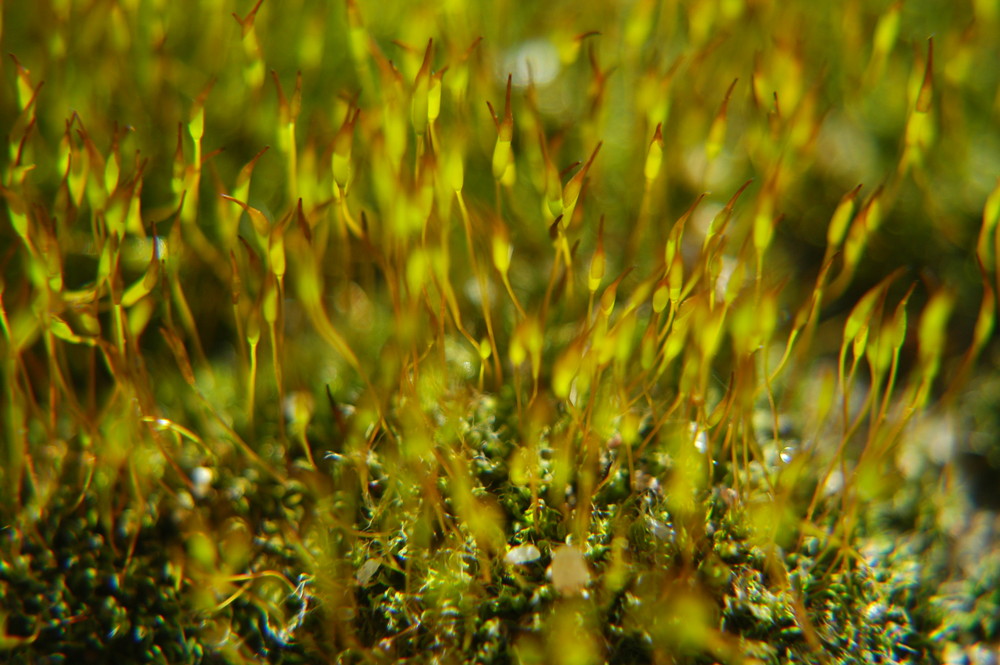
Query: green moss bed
(499, 332)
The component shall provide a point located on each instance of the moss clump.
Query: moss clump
(485, 333)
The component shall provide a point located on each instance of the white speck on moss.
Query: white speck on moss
(568, 571)
(522, 554)
(201, 481)
(533, 60)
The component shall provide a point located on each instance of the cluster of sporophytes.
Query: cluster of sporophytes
(479, 332)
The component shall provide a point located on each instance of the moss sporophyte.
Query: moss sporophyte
(357, 332)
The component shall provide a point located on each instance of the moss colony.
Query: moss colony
(369, 332)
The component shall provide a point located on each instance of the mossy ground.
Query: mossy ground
(492, 332)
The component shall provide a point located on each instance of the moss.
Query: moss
(329, 334)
